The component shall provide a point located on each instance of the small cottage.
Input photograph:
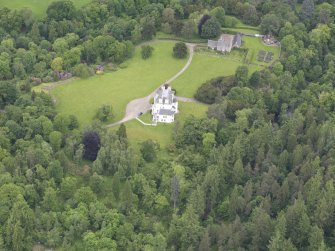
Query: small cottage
(165, 105)
(226, 43)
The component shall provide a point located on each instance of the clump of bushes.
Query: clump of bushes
(180, 50)
(104, 113)
(213, 89)
(83, 71)
(146, 51)
(91, 142)
(148, 150)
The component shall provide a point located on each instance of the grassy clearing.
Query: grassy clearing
(255, 45)
(204, 68)
(84, 96)
(38, 7)
(161, 133)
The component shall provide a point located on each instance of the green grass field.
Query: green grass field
(38, 7)
(161, 133)
(204, 68)
(254, 45)
(84, 96)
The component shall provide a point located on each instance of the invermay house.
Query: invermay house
(165, 105)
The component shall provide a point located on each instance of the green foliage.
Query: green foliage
(241, 75)
(270, 24)
(104, 113)
(8, 93)
(83, 71)
(148, 150)
(180, 50)
(211, 28)
(60, 10)
(219, 14)
(91, 142)
(55, 139)
(146, 51)
(114, 157)
(212, 90)
(55, 171)
(122, 132)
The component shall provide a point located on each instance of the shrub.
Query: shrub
(104, 113)
(91, 142)
(148, 150)
(207, 93)
(180, 50)
(202, 21)
(82, 71)
(146, 51)
(213, 89)
(211, 28)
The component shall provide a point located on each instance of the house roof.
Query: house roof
(237, 41)
(166, 112)
(212, 44)
(226, 42)
(166, 94)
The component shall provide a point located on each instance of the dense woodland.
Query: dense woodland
(256, 174)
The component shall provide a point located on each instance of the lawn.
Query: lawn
(38, 7)
(84, 96)
(255, 45)
(203, 68)
(161, 133)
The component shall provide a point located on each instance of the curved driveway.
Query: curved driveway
(137, 106)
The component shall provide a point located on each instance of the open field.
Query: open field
(138, 133)
(255, 44)
(204, 68)
(38, 7)
(84, 96)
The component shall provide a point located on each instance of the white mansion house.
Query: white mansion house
(165, 106)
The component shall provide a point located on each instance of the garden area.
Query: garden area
(265, 56)
(254, 46)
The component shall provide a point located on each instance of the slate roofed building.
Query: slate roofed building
(165, 105)
(226, 43)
